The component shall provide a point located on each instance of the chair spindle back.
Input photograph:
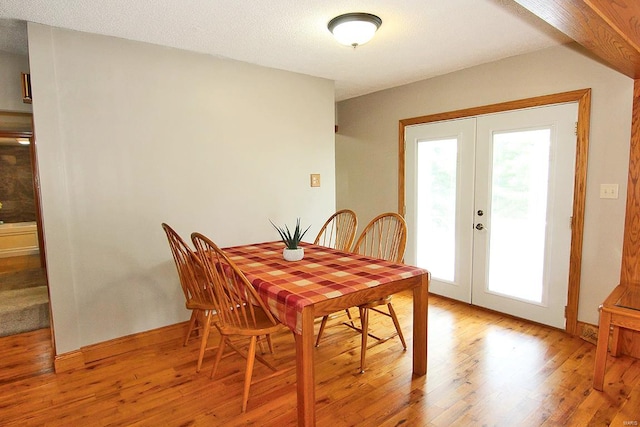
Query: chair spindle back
(385, 237)
(187, 263)
(339, 231)
(235, 297)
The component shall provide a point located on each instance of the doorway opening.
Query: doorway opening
(24, 301)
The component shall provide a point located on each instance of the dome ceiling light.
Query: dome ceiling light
(354, 29)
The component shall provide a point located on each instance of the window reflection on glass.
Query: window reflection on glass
(519, 188)
(436, 207)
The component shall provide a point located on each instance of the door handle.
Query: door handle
(479, 226)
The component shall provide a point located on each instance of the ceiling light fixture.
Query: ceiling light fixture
(354, 29)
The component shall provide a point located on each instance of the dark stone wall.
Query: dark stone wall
(16, 184)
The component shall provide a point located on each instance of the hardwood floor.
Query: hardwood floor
(483, 369)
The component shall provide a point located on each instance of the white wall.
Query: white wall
(367, 143)
(11, 66)
(130, 135)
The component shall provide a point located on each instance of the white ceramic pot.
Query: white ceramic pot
(293, 254)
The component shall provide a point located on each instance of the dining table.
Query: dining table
(326, 281)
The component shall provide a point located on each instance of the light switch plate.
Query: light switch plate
(608, 191)
(315, 180)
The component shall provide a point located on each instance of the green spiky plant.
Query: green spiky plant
(291, 240)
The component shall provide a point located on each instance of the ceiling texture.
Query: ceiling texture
(418, 39)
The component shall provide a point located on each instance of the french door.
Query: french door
(489, 201)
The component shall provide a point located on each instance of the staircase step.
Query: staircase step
(23, 310)
(27, 278)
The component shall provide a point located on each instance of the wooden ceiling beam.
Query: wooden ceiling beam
(608, 28)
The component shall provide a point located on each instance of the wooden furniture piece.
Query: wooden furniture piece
(385, 237)
(326, 281)
(240, 312)
(621, 309)
(189, 275)
(339, 231)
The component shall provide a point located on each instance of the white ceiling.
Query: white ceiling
(418, 39)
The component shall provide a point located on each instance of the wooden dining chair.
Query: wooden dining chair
(189, 273)
(241, 312)
(339, 231)
(385, 237)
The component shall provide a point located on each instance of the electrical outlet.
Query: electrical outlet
(315, 180)
(608, 191)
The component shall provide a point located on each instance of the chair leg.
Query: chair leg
(322, 325)
(251, 353)
(270, 343)
(261, 345)
(214, 369)
(392, 312)
(364, 319)
(204, 338)
(349, 316)
(192, 325)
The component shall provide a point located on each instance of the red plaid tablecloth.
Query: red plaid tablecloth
(324, 273)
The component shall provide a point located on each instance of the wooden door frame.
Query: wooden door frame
(583, 98)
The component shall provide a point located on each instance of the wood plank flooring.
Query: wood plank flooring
(483, 369)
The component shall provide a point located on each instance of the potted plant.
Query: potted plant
(292, 252)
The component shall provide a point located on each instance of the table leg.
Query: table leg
(305, 371)
(601, 349)
(420, 304)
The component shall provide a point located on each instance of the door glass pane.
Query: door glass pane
(436, 207)
(518, 213)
